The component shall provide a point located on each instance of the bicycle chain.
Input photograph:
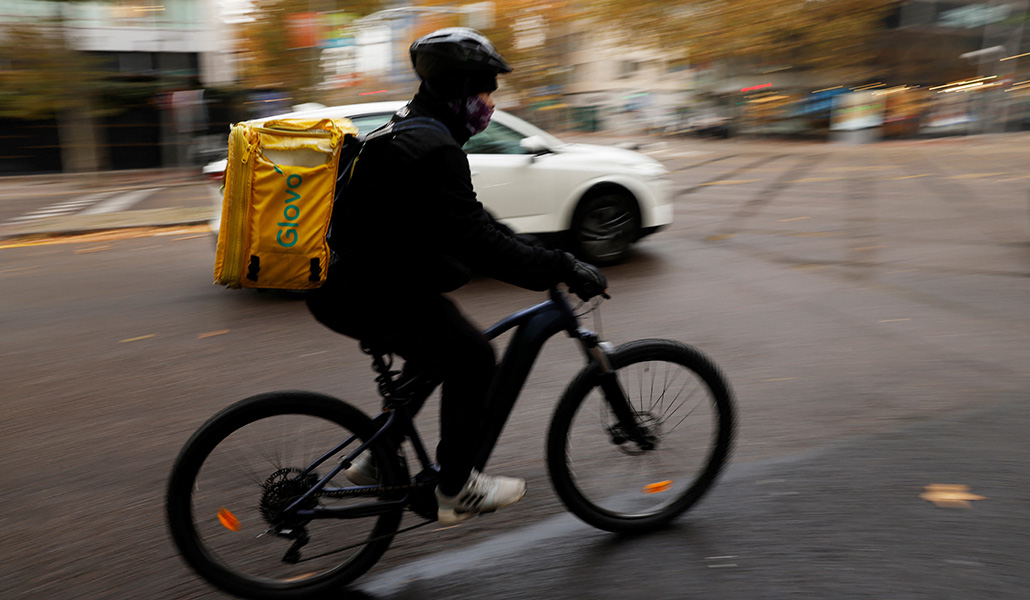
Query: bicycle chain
(354, 492)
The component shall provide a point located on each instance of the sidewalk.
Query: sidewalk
(57, 186)
(130, 219)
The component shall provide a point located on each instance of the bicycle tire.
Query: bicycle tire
(208, 465)
(619, 487)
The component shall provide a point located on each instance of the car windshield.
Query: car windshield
(366, 124)
(496, 139)
(527, 129)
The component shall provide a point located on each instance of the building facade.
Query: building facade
(174, 49)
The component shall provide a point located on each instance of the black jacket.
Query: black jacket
(410, 220)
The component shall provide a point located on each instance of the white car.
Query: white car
(594, 200)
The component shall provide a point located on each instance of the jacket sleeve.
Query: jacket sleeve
(472, 236)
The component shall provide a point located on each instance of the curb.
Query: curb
(67, 184)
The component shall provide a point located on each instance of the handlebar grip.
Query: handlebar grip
(586, 291)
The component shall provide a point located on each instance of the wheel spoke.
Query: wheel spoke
(612, 482)
(232, 485)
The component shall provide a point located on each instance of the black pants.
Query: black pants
(429, 331)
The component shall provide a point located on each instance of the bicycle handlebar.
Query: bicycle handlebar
(586, 294)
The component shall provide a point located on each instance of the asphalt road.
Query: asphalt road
(868, 304)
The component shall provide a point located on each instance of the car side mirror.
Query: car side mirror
(535, 145)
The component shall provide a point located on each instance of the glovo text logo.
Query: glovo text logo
(287, 234)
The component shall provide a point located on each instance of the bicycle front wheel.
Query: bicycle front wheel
(683, 406)
(238, 475)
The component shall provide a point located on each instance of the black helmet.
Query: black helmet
(456, 52)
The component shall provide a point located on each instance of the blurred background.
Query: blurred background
(867, 301)
(127, 84)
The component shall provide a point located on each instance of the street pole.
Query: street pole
(1014, 46)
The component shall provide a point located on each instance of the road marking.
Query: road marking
(893, 320)
(136, 339)
(62, 208)
(965, 563)
(794, 219)
(107, 236)
(102, 203)
(92, 249)
(75, 203)
(868, 168)
(902, 178)
(729, 182)
(120, 202)
(212, 334)
(975, 175)
(814, 180)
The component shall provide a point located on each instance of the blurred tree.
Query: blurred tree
(42, 78)
(531, 34)
(275, 47)
(804, 34)
(814, 35)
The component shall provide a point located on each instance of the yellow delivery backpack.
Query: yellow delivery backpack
(280, 182)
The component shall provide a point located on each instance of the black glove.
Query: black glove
(586, 281)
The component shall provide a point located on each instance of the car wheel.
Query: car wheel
(605, 227)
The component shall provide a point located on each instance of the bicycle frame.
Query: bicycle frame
(533, 327)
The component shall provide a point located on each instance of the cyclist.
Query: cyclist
(411, 230)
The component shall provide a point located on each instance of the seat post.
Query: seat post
(382, 363)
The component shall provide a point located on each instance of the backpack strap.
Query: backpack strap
(421, 123)
(408, 124)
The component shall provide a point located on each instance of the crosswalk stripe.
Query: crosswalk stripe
(99, 203)
(120, 202)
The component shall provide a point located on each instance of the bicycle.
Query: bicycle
(258, 504)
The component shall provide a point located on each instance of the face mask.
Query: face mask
(476, 112)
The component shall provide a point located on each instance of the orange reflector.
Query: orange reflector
(228, 520)
(657, 488)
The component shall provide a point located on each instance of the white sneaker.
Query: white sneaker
(481, 494)
(363, 470)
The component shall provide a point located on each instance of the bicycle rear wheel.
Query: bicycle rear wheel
(234, 478)
(683, 405)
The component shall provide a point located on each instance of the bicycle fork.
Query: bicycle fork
(627, 428)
